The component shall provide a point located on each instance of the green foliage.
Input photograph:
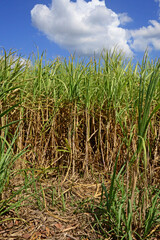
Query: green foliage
(144, 103)
(116, 217)
(88, 94)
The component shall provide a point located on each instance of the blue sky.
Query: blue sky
(62, 27)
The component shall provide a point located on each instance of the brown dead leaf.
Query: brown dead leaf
(47, 231)
(16, 222)
(26, 235)
(58, 226)
(10, 225)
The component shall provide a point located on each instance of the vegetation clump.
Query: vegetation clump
(73, 119)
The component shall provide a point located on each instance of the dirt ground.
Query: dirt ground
(67, 215)
(68, 219)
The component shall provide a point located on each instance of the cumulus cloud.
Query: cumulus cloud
(124, 18)
(89, 27)
(84, 27)
(146, 37)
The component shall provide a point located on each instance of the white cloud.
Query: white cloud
(146, 37)
(84, 27)
(89, 27)
(124, 18)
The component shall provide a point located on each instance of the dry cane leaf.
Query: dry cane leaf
(58, 226)
(27, 235)
(10, 225)
(47, 231)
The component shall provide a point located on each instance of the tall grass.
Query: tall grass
(76, 115)
(92, 106)
(10, 70)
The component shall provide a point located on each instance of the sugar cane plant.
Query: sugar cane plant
(141, 214)
(10, 69)
(83, 116)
